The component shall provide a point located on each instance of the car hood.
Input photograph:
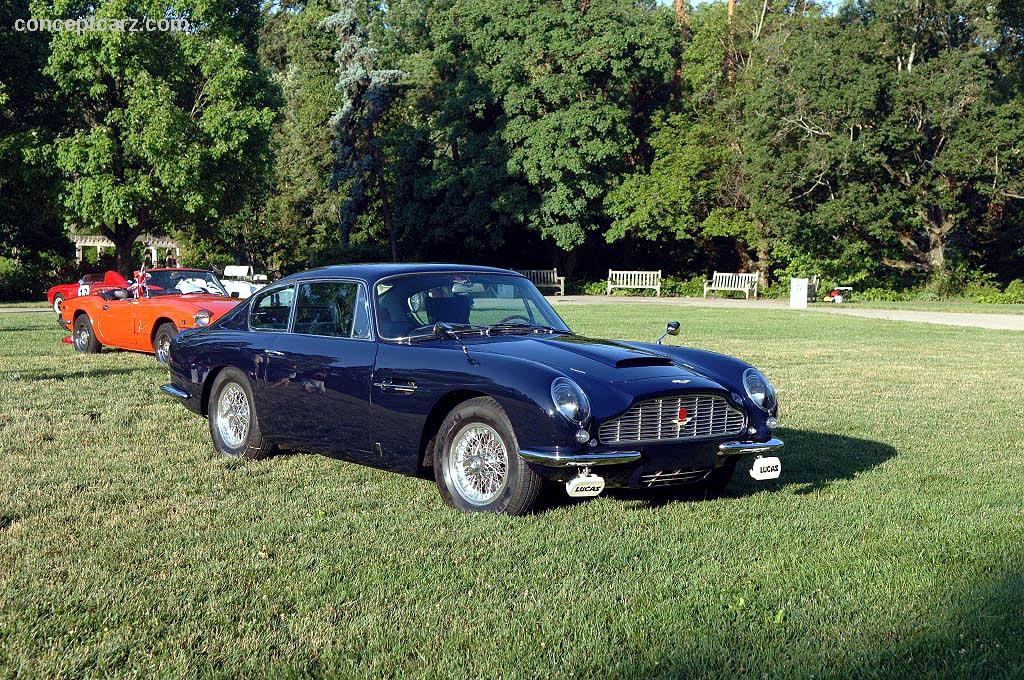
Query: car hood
(603, 360)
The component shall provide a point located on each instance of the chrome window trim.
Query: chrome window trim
(402, 340)
(335, 279)
(263, 293)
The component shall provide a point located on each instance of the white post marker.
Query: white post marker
(766, 467)
(798, 293)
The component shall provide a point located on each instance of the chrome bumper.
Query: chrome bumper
(580, 459)
(743, 448)
(175, 391)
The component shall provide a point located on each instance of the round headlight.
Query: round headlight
(202, 317)
(759, 389)
(570, 400)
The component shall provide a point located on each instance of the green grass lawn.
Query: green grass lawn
(893, 545)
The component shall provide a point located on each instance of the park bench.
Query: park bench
(545, 278)
(634, 279)
(731, 281)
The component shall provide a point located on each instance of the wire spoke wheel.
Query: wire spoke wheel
(233, 415)
(478, 463)
(82, 338)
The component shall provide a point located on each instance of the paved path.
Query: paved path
(1013, 322)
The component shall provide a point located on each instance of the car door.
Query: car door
(115, 322)
(319, 373)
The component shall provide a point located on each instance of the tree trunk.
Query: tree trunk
(123, 242)
(730, 66)
(680, 9)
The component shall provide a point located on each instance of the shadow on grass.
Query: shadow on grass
(810, 461)
(974, 631)
(38, 376)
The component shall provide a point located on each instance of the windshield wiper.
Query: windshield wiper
(531, 327)
(444, 330)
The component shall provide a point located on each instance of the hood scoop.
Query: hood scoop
(640, 362)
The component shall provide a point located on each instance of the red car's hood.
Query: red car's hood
(218, 305)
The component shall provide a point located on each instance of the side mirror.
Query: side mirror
(671, 328)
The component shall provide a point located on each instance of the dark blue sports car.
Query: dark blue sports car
(468, 371)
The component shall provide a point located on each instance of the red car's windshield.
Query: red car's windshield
(183, 281)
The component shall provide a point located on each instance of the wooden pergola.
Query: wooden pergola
(153, 245)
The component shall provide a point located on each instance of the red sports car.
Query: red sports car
(90, 283)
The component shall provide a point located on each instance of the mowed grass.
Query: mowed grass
(893, 545)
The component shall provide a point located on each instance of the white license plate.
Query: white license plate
(767, 467)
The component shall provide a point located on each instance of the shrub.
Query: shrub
(880, 295)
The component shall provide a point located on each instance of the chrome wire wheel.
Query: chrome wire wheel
(56, 304)
(478, 463)
(233, 415)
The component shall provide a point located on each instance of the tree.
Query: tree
(891, 135)
(367, 93)
(30, 228)
(168, 129)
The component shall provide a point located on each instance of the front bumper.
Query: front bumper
(682, 461)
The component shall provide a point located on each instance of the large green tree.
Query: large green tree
(367, 92)
(890, 138)
(30, 227)
(168, 129)
(299, 216)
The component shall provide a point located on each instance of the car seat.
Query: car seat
(448, 309)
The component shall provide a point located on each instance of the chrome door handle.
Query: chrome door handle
(106, 307)
(388, 386)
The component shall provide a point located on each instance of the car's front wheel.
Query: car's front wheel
(57, 300)
(162, 341)
(234, 427)
(477, 465)
(84, 337)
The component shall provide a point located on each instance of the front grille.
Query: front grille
(657, 420)
(673, 477)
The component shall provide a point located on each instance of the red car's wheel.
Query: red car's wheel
(57, 300)
(85, 339)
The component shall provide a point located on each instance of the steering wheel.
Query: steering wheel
(515, 317)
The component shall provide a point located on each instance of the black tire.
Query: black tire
(84, 337)
(519, 486)
(250, 443)
(165, 332)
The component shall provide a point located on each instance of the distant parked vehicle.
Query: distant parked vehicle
(90, 283)
(470, 372)
(241, 282)
(146, 315)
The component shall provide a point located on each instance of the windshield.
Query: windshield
(165, 282)
(410, 305)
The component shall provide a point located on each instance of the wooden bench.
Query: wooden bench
(631, 279)
(545, 278)
(731, 281)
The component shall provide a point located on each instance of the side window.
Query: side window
(332, 308)
(269, 312)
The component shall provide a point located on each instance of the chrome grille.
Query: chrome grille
(673, 477)
(656, 420)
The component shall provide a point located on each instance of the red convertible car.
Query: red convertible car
(145, 318)
(90, 283)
